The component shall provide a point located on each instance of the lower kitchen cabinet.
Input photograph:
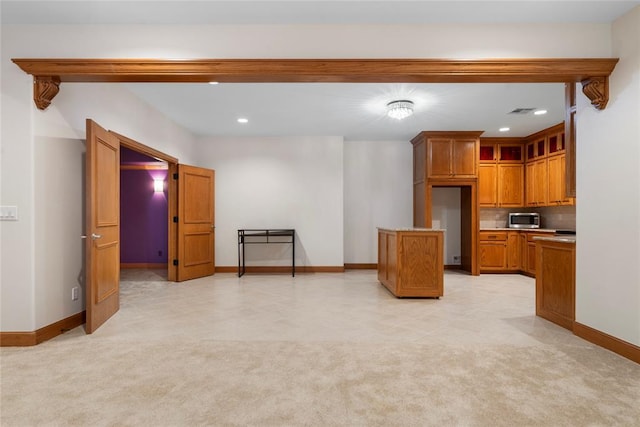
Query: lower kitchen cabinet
(508, 251)
(556, 281)
(499, 251)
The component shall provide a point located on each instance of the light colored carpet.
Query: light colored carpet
(187, 377)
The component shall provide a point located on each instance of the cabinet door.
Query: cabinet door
(522, 237)
(541, 182)
(556, 180)
(493, 255)
(531, 258)
(510, 185)
(513, 250)
(530, 179)
(439, 158)
(464, 158)
(487, 185)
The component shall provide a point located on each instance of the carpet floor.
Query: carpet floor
(319, 350)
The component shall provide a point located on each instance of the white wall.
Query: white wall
(608, 195)
(377, 193)
(446, 213)
(22, 123)
(293, 182)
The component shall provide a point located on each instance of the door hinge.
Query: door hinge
(175, 219)
(175, 262)
(175, 176)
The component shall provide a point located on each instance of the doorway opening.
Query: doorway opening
(144, 212)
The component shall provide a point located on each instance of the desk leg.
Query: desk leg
(293, 256)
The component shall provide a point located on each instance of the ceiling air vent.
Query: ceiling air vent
(522, 111)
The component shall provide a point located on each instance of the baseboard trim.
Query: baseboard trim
(26, 339)
(281, 269)
(17, 339)
(453, 267)
(361, 266)
(618, 346)
(147, 265)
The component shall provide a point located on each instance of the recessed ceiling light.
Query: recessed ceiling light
(504, 129)
(243, 120)
(213, 83)
(540, 112)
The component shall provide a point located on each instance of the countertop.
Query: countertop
(531, 230)
(564, 238)
(412, 229)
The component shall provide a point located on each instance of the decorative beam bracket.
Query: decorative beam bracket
(597, 90)
(44, 90)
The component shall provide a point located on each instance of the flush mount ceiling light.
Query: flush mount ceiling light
(540, 112)
(399, 109)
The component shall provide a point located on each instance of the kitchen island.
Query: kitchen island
(411, 261)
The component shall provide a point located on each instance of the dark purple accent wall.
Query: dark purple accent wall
(143, 217)
(129, 156)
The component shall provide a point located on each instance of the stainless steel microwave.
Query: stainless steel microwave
(524, 220)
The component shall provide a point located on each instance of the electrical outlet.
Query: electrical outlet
(75, 293)
(456, 259)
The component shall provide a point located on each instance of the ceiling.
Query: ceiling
(353, 110)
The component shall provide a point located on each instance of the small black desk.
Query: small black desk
(251, 236)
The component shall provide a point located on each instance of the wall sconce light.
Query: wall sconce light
(158, 185)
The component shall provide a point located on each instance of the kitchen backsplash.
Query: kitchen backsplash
(556, 217)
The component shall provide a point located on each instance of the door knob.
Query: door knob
(95, 236)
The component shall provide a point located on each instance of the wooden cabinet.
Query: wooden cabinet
(510, 185)
(488, 185)
(449, 154)
(508, 251)
(411, 262)
(530, 251)
(499, 251)
(556, 281)
(449, 159)
(545, 168)
(557, 181)
(501, 173)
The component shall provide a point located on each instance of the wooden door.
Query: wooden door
(196, 222)
(103, 226)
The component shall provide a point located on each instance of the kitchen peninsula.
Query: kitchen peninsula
(411, 261)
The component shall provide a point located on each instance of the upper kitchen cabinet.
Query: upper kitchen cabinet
(501, 173)
(448, 155)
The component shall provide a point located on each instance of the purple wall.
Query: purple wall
(143, 217)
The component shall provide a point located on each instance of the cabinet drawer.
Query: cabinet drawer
(493, 236)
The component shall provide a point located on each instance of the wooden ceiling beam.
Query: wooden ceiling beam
(48, 73)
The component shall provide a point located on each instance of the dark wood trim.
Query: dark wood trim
(454, 267)
(592, 72)
(145, 167)
(26, 339)
(351, 266)
(618, 346)
(281, 269)
(17, 339)
(144, 149)
(147, 265)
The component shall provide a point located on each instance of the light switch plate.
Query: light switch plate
(8, 213)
